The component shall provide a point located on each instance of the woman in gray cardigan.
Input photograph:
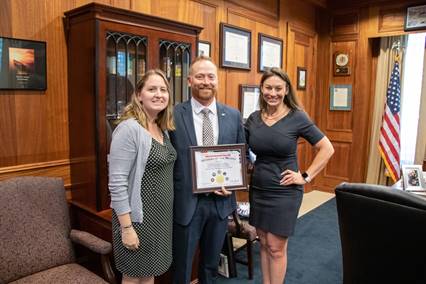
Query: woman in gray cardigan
(141, 164)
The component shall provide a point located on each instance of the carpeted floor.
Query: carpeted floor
(314, 252)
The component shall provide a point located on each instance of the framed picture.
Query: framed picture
(22, 64)
(412, 177)
(249, 100)
(415, 18)
(216, 166)
(301, 78)
(235, 47)
(204, 48)
(341, 97)
(270, 52)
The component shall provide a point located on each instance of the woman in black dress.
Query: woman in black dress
(276, 190)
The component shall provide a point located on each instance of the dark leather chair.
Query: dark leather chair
(240, 228)
(36, 236)
(383, 233)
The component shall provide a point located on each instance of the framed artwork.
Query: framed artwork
(270, 52)
(249, 100)
(341, 97)
(301, 78)
(22, 64)
(415, 18)
(204, 48)
(235, 47)
(412, 177)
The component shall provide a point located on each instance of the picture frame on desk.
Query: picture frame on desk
(412, 178)
(235, 47)
(415, 18)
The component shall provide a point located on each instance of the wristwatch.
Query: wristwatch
(306, 177)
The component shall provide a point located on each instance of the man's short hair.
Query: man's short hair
(198, 59)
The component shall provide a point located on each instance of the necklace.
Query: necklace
(276, 115)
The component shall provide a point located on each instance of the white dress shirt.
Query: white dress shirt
(197, 116)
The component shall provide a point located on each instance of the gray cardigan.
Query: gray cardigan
(130, 147)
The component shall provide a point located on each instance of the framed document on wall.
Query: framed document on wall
(270, 52)
(249, 100)
(235, 47)
(341, 97)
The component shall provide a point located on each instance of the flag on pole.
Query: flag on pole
(389, 142)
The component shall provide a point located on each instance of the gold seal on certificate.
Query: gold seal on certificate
(217, 166)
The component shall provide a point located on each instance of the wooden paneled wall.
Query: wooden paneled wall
(352, 27)
(34, 138)
(34, 125)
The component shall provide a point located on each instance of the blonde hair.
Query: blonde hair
(290, 98)
(135, 109)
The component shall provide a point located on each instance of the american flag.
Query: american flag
(389, 142)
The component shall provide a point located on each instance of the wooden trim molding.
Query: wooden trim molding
(57, 168)
(251, 15)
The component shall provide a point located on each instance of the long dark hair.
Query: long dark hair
(290, 98)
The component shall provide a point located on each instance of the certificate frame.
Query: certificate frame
(204, 48)
(269, 43)
(415, 18)
(218, 175)
(248, 103)
(235, 53)
(22, 64)
(302, 77)
(412, 177)
(341, 97)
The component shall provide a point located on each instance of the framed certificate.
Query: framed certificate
(217, 166)
(235, 51)
(249, 100)
(341, 97)
(270, 52)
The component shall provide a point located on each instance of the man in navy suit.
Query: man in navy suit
(200, 219)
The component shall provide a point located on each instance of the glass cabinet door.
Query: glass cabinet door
(175, 58)
(125, 65)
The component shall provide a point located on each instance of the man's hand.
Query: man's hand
(223, 192)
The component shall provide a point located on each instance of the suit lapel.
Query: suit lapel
(222, 118)
(189, 122)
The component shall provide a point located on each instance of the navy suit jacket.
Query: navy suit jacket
(230, 132)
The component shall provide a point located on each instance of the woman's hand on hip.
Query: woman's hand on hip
(291, 177)
(130, 238)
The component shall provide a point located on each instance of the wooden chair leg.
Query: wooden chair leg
(231, 256)
(250, 259)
